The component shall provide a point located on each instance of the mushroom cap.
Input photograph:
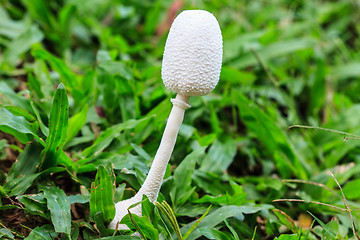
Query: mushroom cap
(193, 54)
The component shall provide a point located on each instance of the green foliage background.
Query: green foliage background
(83, 105)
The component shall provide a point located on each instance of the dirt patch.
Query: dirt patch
(18, 221)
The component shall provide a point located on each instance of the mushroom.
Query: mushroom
(191, 67)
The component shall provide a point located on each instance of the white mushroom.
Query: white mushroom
(191, 67)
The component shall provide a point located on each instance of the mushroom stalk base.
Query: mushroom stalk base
(153, 181)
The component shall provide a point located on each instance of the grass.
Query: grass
(83, 107)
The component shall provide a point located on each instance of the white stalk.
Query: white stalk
(155, 177)
(153, 181)
(191, 67)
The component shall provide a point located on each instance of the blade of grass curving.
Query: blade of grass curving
(323, 225)
(309, 230)
(137, 227)
(163, 222)
(254, 234)
(324, 129)
(309, 201)
(348, 209)
(141, 224)
(102, 195)
(58, 124)
(59, 208)
(169, 214)
(310, 183)
(44, 129)
(186, 235)
(266, 69)
(235, 235)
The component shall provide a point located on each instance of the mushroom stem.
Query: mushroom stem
(155, 177)
(153, 181)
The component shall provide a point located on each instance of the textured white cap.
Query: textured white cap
(193, 54)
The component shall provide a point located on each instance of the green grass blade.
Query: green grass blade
(104, 140)
(76, 122)
(27, 162)
(169, 214)
(58, 124)
(45, 232)
(102, 195)
(100, 225)
(17, 126)
(323, 225)
(59, 208)
(186, 235)
(137, 227)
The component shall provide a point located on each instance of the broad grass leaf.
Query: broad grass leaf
(19, 185)
(115, 68)
(22, 44)
(8, 27)
(106, 137)
(348, 70)
(45, 232)
(58, 124)
(220, 155)
(67, 76)
(183, 177)
(59, 208)
(210, 183)
(211, 233)
(143, 223)
(78, 198)
(35, 204)
(155, 120)
(218, 216)
(22, 172)
(141, 152)
(17, 126)
(14, 98)
(27, 162)
(351, 189)
(287, 237)
(18, 111)
(102, 194)
(6, 234)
